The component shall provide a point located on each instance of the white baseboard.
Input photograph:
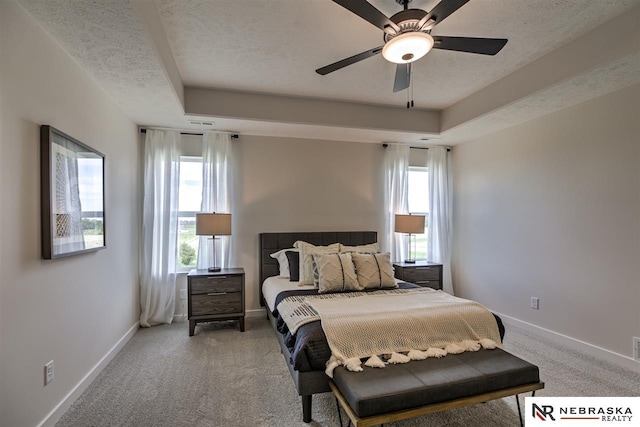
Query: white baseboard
(257, 312)
(57, 412)
(576, 344)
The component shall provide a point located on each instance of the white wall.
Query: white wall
(551, 208)
(71, 310)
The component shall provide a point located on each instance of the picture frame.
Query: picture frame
(72, 195)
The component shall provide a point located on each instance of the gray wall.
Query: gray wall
(551, 208)
(72, 310)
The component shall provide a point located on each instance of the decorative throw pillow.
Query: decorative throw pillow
(283, 262)
(293, 259)
(372, 248)
(334, 273)
(307, 250)
(374, 271)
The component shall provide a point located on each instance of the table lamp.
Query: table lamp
(213, 224)
(410, 224)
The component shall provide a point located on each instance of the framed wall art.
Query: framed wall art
(72, 195)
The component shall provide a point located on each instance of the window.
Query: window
(189, 202)
(419, 204)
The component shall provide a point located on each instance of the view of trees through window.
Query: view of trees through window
(419, 204)
(189, 202)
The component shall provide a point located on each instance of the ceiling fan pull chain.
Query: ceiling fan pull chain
(411, 84)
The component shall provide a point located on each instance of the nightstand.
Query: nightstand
(215, 296)
(423, 273)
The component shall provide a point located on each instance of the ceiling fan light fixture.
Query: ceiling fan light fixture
(407, 47)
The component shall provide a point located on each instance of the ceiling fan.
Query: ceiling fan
(407, 37)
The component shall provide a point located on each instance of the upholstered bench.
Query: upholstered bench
(408, 390)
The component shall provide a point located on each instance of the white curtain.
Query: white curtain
(439, 230)
(396, 197)
(159, 227)
(216, 195)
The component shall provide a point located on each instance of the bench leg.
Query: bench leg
(339, 412)
(533, 393)
(306, 408)
(519, 412)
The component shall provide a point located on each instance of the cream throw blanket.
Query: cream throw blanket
(421, 324)
(295, 311)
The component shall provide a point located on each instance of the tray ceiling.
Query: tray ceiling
(273, 47)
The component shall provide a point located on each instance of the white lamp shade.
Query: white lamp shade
(407, 47)
(213, 224)
(413, 224)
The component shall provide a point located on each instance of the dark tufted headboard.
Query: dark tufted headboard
(273, 242)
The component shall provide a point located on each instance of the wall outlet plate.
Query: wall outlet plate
(535, 303)
(636, 348)
(48, 372)
(183, 294)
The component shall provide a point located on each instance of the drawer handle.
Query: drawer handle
(424, 281)
(213, 294)
(423, 268)
(216, 277)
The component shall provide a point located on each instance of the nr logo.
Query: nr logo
(543, 412)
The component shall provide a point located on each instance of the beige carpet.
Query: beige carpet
(221, 377)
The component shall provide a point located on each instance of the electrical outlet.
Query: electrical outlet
(535, 303)
(183, 294)
(636, 348)
(48, 372)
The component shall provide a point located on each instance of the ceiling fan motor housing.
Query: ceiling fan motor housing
(407, 21)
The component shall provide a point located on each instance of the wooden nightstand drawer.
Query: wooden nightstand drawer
(423, 273)
(418, 274)
(216, 303)
(435, 284)
(205, 285)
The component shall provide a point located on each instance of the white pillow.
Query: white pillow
(283, 262)
(307, 250)
(372, 248)
(335, 273)
(374, 271)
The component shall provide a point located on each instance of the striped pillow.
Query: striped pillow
(334, 273)
(374, 271)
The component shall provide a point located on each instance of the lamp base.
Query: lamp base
(214, 269)
(410, 261)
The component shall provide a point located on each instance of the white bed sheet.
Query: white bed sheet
(273, 285)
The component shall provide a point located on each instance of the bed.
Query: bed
(305, 352)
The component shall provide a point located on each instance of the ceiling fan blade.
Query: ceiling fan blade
(442, 10)
(348, 61)
(368, 12)
(469, 44)
(403, 77)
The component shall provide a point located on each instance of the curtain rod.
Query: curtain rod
(385, 145)
(234, 135)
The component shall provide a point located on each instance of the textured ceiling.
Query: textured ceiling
(274, 46)
(107, 40)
